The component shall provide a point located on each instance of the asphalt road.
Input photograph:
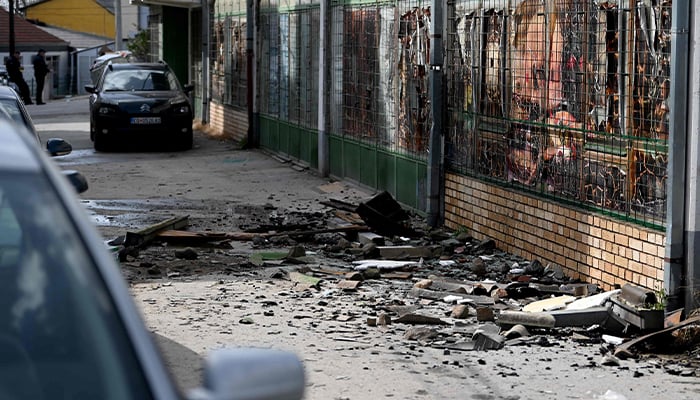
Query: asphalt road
(344, 358)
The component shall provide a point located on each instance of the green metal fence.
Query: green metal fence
(563, 99)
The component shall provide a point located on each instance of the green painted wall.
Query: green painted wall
(176, 41)
(403, 177)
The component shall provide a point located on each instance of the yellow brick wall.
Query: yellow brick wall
(594, 248)
(228, 122)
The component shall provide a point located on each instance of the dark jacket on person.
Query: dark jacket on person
(40, 66)
(14, 69)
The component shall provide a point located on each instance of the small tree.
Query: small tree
(139, 45)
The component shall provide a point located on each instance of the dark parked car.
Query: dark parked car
(69, 328)
(12, 109)
(133, 103)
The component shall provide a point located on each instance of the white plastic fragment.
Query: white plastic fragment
(592, 301)
(613, 339)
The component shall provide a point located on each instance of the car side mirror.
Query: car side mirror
(77, 180)
(188, 88)
(90, 88)
(260, 374)
(58, 147)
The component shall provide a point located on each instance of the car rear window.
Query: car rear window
(139, 80)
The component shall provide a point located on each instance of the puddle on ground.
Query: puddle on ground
(140, 213)
(134, 213)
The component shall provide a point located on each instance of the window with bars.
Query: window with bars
(228, 59)
(288, 64)
(564, 98)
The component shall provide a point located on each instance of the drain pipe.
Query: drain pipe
(323, 93)
(681, 120)
(437, 110)
(205, 61)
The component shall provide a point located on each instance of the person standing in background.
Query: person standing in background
(40, 72)
(14, 70)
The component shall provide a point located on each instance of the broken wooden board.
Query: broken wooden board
(397, 275)
(143, 236)
(328, 271)
(550, 304)
(193, 238)
(347, 285)
(404, 252)
(624, 350)
(419, 319)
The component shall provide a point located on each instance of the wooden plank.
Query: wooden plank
(404, 252)
(623, 350)
(142, 237)
(203, 237)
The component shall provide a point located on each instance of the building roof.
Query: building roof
(77, 40)
(171, 3)
(27, 35)
(106, 4)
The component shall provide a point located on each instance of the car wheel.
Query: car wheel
(184, 141)
(101, 143)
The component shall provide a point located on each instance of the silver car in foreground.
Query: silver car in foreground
(68, 326)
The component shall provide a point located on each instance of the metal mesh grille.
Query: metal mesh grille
(564, 98)
(228, 61)
(381, 52)
(288, 69)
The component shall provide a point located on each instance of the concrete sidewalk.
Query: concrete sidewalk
(64, 106)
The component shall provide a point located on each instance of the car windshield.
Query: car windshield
(139, 80)
(60, 336)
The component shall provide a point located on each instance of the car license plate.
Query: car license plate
(145, 120)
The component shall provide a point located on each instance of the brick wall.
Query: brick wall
(227, 122)
(594, 248)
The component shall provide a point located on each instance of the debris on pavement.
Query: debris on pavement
(439, 288)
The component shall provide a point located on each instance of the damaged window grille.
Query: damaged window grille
(229, 63)
(568, 99)
(383, 48)
(288, 62)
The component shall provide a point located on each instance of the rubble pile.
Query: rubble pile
(446, 289)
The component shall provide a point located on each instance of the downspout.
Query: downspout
(323, 106)
(205, 62)
(190, 40)
(253, 133)
(681, 118)
(437, 110)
